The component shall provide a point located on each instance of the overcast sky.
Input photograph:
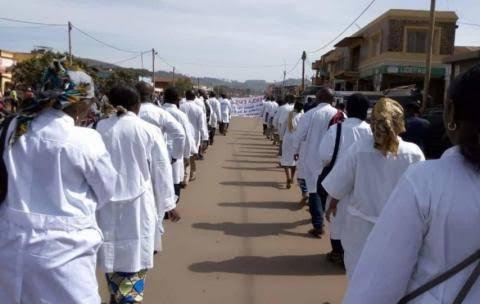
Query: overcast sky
(230, 39)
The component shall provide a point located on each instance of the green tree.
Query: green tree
(183, 84)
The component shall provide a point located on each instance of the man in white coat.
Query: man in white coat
(57, 175)
(144, 194)
(226, 112)
(311, 129)
(272, 109)
(171, 129)
(197, 118)
(216, 115)
(281, 119)
(353, 129)
(171, 105)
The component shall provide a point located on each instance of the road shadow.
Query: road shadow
(251, 161)
(251, 144)
(254, 155)
(289, 265)
(254, 229)
(254, 184)
(264, 205)
(252, 168)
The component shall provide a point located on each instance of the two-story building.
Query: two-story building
(390, 51)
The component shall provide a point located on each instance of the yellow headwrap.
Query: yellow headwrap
(387, 123)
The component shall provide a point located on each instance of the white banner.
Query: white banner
(248, 106)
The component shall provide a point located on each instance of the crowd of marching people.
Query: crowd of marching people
(405, 229)
(88, 184)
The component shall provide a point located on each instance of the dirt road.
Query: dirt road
(242, 239)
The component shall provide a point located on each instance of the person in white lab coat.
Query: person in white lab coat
(281, 118)
(226, 112)
(172, 130)
(197, 118)
(57, 176)
(287, 160)
(171, 105)
(430, 223)
(367, 174)
(310, 131)
(143, 195)
(272, 109)
(216, 115)
(353, 129)
(264, 115)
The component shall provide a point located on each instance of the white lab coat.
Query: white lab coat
(144, 192)
(282, 117)
(178, 167)
(272, 109)
(58, 175)
(353, 130)
(429, 224)
(311, 129)
(172, 130)
(226, 110)
(215, 105)
(368, 177)
(288, 151)
(265, 109)
(198, 120)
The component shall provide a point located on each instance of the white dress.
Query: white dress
(429, 224)
(288, 151)
(353, 130)
(283, 111)
(144, 192)
(368, 177)
(58, 175)
(310, 131)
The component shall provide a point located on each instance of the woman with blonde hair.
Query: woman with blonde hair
(368, 173)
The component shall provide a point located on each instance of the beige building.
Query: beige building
(389, 52)
(8, 60)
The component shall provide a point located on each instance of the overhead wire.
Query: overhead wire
(32, 22)
(345, 30)
(469, 24)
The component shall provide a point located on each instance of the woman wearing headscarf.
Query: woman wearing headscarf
(56, 175)
(287, 159)
(368, 173)
(143, 194)
(430, 223)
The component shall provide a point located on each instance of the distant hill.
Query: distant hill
(255, 86)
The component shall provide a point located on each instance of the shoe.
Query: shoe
(317, 233)
(335, 257)
(289, 184)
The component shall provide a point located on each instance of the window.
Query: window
(417, 40)
(375, 46)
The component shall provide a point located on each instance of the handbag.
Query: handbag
(462, 294)
(3, 169)
(320, 190)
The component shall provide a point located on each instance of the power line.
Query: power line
(105, 43)
(469, 24)
(295, 66)
(164, 61)
(127, 59)
(32, 22)
(345, 30)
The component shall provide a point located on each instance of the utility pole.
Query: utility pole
(428, 64)
(198, 83)
(173, 76)
(153, 68)
(70, 42)
(304, 57)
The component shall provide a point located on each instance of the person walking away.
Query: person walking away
(283, 113)
(198, 121)
(143, 194)
(55, 176)
(271, 114)
(171, 105)
(310, 131)
(367, 175)
(216, 115)
(264, 115)
(171, 129)
(287, 160)
(430, 223)
(226, 110)
(353, 129)
(416, 127)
